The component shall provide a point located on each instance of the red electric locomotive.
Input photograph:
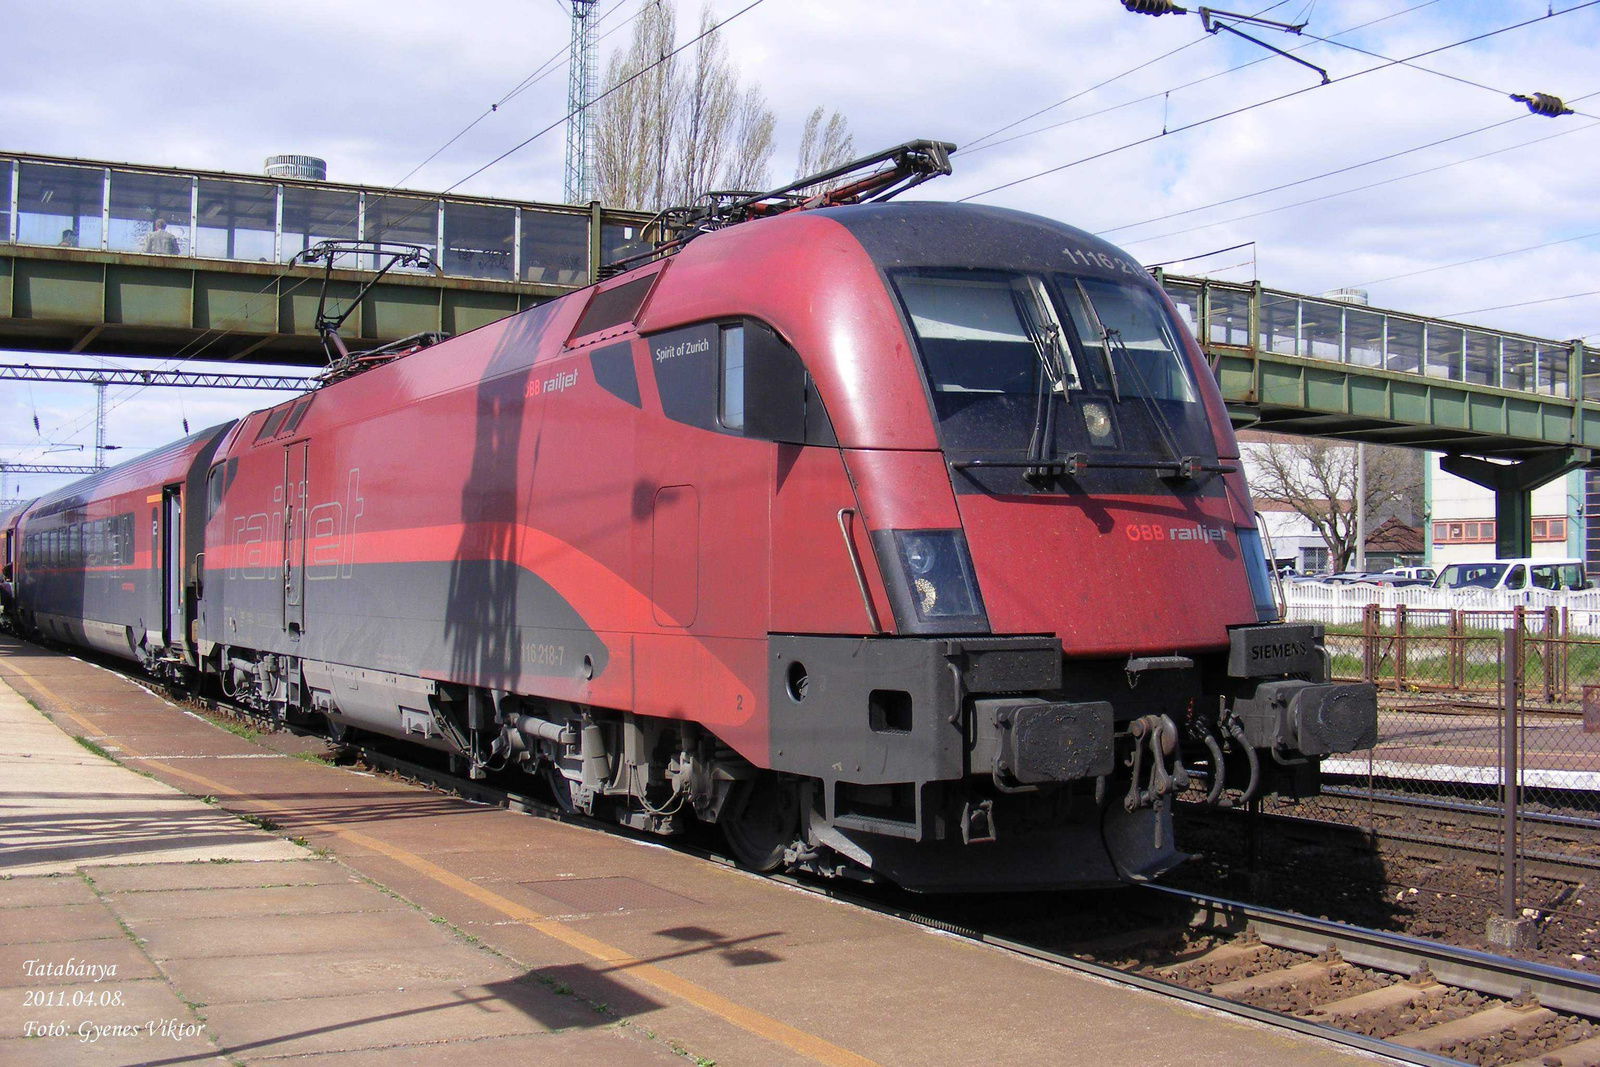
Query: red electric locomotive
(908, 538)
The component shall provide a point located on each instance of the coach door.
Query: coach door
(294, 536)
(172, 565)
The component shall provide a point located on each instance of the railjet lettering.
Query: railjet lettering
(682, 348)
(560, 383)
(1144, 531)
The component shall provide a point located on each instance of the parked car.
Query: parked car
(1514, 574)
(1426, 574)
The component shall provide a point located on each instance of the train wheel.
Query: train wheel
(560, 788)
(760, 820)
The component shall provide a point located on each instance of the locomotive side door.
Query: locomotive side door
(171, 548)
(294, 536)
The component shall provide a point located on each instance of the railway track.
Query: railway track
(1412, 1000)
(1472, 834)
(1405, 998)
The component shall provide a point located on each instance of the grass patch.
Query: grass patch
(313, 757)
(238, 729)
(92, 747)
(258, 822)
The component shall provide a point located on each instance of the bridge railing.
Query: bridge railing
(117, 207)
(1288, 324)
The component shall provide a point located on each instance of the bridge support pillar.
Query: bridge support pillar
(1513, 485)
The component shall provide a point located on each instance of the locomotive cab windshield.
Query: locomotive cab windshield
(1052, 365)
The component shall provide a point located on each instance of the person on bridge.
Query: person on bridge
(160, 241)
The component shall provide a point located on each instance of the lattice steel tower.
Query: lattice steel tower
(580, 90)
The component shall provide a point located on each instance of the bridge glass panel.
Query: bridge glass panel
(149, 213)
(1278, 317)
(478, 240)
(1363, 338)
(1228, 315)
(555, 248)
(1403, 346)
(1321, 330)
(313, 215)
(237, 220)
(1186, 298)
(1444, 351)
(1517, 363)
(60, 205)
(5, 199)
(407, 220)
(1591, 384)
(619, 240)
(1483, 358)
(1553, 360)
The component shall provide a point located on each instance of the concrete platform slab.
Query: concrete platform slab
(604, 1047)
(328, 1024)
(349, 897)
(231, 874)
(56, 922)
(247, 979)
(274, 935)
(44, 890)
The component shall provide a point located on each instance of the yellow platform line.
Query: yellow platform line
(747, 1019)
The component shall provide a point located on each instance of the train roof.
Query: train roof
(935, 233)
(159, 466)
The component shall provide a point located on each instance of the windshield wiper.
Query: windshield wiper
(1105, 340)
(1185, 466)
(1046, 340)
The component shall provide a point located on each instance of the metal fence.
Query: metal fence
(1438, 772)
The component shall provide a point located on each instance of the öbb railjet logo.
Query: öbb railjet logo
(1154, 531)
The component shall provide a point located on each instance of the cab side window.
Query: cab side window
(731, 388)
(740, 378)
(1517, 578)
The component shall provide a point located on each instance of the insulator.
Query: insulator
(1154, 7)
(1542, 104)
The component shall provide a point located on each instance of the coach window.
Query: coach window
(731, 387)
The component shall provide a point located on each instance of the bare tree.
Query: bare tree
(635, 124)
(676, 131)
(824, 146)
(1318, 479)
(750, 162)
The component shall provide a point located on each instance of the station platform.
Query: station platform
(193, 896)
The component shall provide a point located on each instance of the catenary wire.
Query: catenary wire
(1521, 304)
(1363, 188)
(1477, 259)
(1188, 84)
(1274, 99)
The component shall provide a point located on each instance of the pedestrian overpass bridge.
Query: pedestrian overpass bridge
(83, 268)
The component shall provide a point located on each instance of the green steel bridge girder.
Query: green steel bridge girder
(116, 303)
(1297, 395)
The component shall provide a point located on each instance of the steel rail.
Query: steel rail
(1502, 976)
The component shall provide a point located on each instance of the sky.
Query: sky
(375, 87)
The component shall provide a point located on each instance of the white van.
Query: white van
(1426, 574)
(1514, 574)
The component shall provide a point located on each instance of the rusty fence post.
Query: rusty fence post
(1399, 647)
(1369, 642)
(1509, 930)
(1550, 674)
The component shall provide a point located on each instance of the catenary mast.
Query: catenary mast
(580, 90)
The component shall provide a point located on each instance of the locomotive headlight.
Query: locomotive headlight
(1097, 420)
(937, 590)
